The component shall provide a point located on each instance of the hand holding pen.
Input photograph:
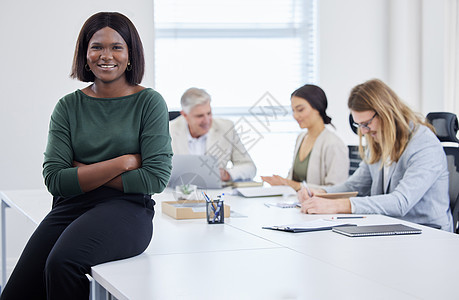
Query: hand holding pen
(305, 185)
(306, 193)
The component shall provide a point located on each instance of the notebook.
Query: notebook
(336, 195)
(316, 225)
(200, 170)
(375, 230)
(277, 190)
(242, 184)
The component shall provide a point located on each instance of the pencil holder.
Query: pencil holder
(215, 211)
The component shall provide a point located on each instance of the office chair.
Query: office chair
(446, 127)
(351, 123)
(354, 158)
(354, 155)
(173, 114)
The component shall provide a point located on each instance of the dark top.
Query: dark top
(90, 130)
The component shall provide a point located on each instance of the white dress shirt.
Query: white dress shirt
(196, 146)
(222, 141)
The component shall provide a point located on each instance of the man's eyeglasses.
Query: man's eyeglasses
(364, 124)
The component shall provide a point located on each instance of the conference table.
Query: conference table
(190, 259)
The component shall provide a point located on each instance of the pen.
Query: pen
(307, 188)
(205, 197)
(209, 201)
(355, 217)
(216, 213)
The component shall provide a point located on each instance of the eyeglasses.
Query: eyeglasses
(364, 124)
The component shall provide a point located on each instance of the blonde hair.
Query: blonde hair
(397, 121)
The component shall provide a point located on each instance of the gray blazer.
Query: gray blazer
(222, 142)
(416, 189)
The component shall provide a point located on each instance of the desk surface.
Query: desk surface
(35, 204)
(189, 259)
(410, 263)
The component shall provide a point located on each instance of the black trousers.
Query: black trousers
(80, 232)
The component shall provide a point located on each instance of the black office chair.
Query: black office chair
(351, 123)
(354, 155)
(446, 127)
(173, 114)
(354, 158)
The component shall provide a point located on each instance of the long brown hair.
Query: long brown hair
(397, 120)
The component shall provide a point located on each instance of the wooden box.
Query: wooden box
(188, 209)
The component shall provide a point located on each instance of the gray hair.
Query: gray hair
(193, 97)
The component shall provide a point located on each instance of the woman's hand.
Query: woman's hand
(275, 180)
(278, 180)
(129, 161)
(318, 205)
(78, 164)
(132, 161)
(304, 194)
(106, 172)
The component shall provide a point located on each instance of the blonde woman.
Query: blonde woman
(404, 171)
(320, 156)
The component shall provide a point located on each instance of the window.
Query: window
(237, 50)
(249, 55)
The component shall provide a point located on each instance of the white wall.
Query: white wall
(434, 56)
(353, 48)
(359, 40)
(402, 42)
(38, 40)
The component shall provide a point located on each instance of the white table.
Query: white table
(34, 204)
(424, 266)
(190, 259)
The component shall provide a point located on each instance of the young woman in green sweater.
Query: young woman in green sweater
(108, 151)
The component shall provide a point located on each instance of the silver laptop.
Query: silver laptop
(200, 170)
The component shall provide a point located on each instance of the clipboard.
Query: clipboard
(336, 195)
(316, 225)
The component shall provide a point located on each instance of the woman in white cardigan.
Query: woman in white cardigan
(320, 156)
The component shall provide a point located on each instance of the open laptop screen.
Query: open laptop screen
(200, 170)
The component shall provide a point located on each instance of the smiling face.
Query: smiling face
(199, 119)
(304, 114)
(371, 125)
(107, 56)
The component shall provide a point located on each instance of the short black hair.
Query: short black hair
(128, 32)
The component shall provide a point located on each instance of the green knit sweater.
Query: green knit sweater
(90, 130)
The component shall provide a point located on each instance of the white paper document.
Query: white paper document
(278, 190)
